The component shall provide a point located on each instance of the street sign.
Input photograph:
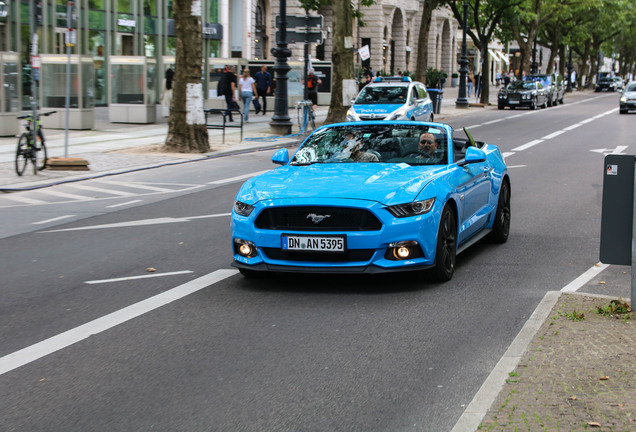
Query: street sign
(294, 21)
(298, 37)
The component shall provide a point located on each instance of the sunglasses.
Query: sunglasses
(427, 141)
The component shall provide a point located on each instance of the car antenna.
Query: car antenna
(470, 138)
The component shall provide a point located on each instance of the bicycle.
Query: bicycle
(28, 150)
(305, 114)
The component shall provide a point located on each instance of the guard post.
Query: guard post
(618, 225)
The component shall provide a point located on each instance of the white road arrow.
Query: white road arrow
(617, 150)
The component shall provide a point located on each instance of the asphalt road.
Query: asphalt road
(92, 340)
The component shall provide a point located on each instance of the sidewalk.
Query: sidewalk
(570, 368)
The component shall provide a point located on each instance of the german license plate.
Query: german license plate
(313, 243)
(513, 102)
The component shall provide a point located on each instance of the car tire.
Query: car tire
(533, 105)
(446, 250)
(501, 226)
(623, 111)
(500, 107)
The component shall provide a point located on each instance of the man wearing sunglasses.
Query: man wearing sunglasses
(427, 145)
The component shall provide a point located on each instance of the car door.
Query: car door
(474, 186)
(424, 105)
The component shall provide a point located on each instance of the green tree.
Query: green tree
(187, 131)
(484, 18)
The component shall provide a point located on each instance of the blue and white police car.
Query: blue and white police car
(392, 98)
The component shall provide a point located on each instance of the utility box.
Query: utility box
(9, 93)
(132, 82)
(617, 217)
(53, 91)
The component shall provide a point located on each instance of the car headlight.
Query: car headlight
(397, 114)
(623, 99)
(351, 115)
(411, 209)
(242, 208)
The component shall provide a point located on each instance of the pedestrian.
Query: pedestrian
(166, 95)
(469, 83)
(227, 88)
(498, 78)
(248, 90)
(263, 86)
(506, 80)
(312, 87)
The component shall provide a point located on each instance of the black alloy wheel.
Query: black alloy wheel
(501, 226)
(446, 251)
(22, 154)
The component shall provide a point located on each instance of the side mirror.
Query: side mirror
(473, 155)
(281, 157)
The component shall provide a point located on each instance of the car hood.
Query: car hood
(384, 183)
(630, 94)
(376, 108)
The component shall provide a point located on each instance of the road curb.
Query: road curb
(490, 389)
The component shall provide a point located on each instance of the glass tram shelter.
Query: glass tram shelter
(133, 95)
(9, 93)
(53, 91)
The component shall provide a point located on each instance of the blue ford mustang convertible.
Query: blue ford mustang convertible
(369, 197)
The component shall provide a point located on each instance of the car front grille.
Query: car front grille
(352, 255)
(514, 97)
(312, 218)
(372, 117)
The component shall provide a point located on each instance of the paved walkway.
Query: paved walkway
(570, 368)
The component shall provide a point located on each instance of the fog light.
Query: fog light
(402, 253)
(244, 248)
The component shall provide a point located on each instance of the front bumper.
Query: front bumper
(367, 251)
(628, 106)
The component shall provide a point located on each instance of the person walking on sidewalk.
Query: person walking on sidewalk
(227, 88)
(263, 86)
(248, 90)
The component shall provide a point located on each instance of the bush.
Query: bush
(435, 78)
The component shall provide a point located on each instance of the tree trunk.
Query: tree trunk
(341, 58)
(421, 64)
(485, 74)
(187, 131)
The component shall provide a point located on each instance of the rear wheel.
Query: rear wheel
(43, 155)
(501, 227)
(22, 154)
(446, 251)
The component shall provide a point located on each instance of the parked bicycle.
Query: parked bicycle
(27, 150)
(305, 115)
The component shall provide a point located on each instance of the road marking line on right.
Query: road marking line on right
(584, 278)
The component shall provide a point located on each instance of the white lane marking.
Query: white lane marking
(63, 340)
(123, 204)
(574, 126)
(606, 151)
(506, 154)
(136, 185)
(474, 126)
(23, 199)
(527, 145)
(553, 135)
(146, 276)
(64, 194)
(102, 190)
(516, 166)
(141, 222)
(237, 178)
(494, 121)
(584, 278)
(53, 219)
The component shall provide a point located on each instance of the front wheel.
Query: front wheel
(22, 154)
(446, 250)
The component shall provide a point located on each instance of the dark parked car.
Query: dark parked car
(555, 85)
(606, 83)
(525, 93)
(628, 98)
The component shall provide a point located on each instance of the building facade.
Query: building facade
(244, 29)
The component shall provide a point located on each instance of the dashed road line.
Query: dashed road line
(124, 203)
(527, 145)
(152, 275)
(55, 219)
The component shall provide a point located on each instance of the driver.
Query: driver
(427, 145)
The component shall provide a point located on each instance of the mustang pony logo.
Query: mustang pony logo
(317, 218)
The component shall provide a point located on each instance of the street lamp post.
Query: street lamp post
(462, 101)
(281, 123)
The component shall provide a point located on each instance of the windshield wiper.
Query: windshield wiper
(296, 163)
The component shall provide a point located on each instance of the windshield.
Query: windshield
(606, 80)
(631, 88)
(522, 85)
(393, 143)
(382, 95)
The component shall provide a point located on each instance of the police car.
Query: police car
(392, 98)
